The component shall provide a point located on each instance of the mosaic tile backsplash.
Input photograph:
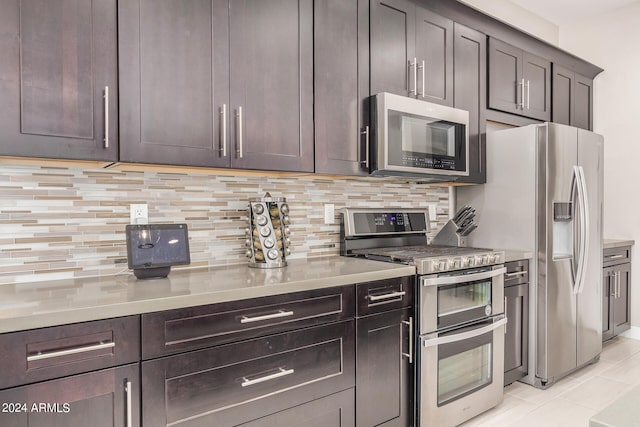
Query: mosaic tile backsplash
(60, 223)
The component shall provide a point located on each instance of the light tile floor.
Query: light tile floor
(574, 399)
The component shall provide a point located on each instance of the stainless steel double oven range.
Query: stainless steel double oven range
(460, 306)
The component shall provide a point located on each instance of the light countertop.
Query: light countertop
(616, 243)
(37, 305)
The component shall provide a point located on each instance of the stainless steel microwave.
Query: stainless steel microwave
(419, 138)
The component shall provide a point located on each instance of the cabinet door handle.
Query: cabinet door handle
(365, 132)
(106, 116)
(410, 325)
(528, 98)
(223, 130)
(423, 93)
(129, 394)
(280, 313)
(374, 298)
(613, 289)
(281, 373)
(618, 281)
(413, 64)
(521, 84)
(505, 315)
(76, 350)
(239, 132)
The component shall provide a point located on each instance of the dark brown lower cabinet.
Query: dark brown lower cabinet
(384, 386)
(236, 383)
(517, 332)
(616, 306)
(336, 410)
(106, 398)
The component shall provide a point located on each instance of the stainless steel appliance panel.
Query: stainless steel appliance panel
(462, 297)
(556, 302)
(462, 373)
(590, 157)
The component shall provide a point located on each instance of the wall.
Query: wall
(518, 17)
(61, 223)
(611, 41)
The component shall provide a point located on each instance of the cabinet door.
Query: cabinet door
(470, 76)
(536, 73)
(517, 332)
(107, 398)
(58, 58)
(271, 62)
(608, 297)
(341, 80)
(393, 47)
(506, 90)
(583, 105)
(174, 81)
(563, 95)
(336, 410)
(621, 304)
(384, 386)
(434, 52)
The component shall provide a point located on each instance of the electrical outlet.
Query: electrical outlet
(433, 214)
(139, 214)
(329, 213)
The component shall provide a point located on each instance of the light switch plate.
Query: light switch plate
(329, 213)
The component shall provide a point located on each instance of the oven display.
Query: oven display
(367, 223)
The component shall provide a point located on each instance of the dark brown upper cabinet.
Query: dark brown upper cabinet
(411, 51)
(572, 98)
(470, 76)
(58, 79)
(217, 83)
(519, 82)
(341, 70)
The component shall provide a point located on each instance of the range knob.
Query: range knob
(452, 264)
(493, 258)
(479, 260)
(465, 262)
(442, 265)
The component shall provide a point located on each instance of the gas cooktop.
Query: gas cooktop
(400, 235)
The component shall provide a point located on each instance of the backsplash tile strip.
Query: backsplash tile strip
(60, 223)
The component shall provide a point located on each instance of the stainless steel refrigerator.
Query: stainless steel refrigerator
(544, 194)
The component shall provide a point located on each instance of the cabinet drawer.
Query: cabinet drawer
(384, 295)
(42, 354)
(239, 382)
(174, 331)
(614, 256)
(517, 273)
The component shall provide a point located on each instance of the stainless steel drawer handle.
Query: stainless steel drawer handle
(41, 356)
(516, 274)
(398, 294)
(464, 278)
(280, 313)
(615, 256)
(281, 373)
(128, 392)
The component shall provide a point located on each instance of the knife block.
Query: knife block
(447, 236)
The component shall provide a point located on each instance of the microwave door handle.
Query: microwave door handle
(464, 335)
(450, 280)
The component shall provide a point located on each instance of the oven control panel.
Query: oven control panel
(450, 263)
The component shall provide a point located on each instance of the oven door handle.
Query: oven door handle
(452, 280)
(464, 335)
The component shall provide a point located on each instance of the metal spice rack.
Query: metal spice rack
(268, 233)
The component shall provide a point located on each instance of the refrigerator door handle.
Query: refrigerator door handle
(577, 229)
(586, 225)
